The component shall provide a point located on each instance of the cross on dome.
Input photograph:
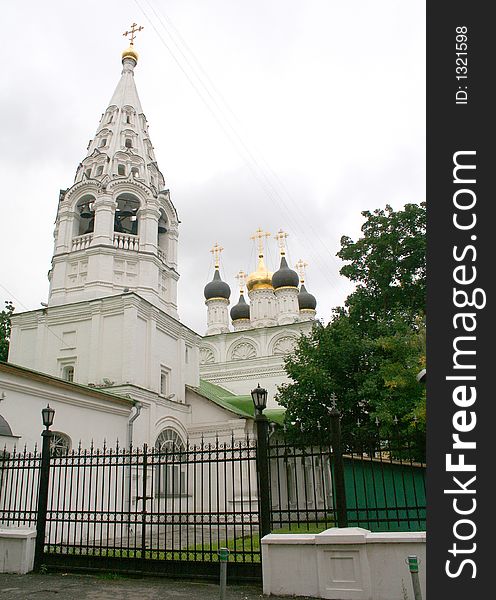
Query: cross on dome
(259, 236)
(281, 239)
(241, 277)
(216, 250)
(300, 267)
(132, 32)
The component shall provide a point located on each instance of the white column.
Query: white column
(103, 232)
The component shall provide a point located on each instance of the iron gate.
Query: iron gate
(143, 510)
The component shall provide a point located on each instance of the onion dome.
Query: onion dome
(284, 276)
(130, 52)
(306, 301)
(241, 310)
(217, 288)
(261, 278)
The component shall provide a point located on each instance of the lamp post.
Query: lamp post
(47, 414)
(259, 397)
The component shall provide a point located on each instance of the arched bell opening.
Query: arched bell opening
(85, 220)
(163, 228)
(126, 214)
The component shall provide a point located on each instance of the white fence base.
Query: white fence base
(17, 549)
(342, 564)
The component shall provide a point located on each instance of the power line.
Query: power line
(247, 155)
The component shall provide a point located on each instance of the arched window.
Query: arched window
(162, 239)
(121, 170)
(126, 214)
(171, 464)
(68, 373)
(129, 143)
(60, 443)
(85, 210)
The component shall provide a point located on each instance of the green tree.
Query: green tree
(5, 327)
(388, 265)
(371, 351)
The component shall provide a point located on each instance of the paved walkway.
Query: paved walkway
(104, 587)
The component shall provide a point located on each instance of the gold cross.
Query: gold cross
(216, 250)
(300, 267)
(260, 234)
(281, 238)
(241, 277)
(132, 32)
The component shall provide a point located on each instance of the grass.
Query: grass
(241, 549)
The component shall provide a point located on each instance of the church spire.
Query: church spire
(121, 147)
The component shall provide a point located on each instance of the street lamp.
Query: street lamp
(259, 397)
(48, 414)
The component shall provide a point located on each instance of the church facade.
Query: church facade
(111, 332)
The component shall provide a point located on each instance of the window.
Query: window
(135, 171)
(68, 373)
(186, 354)
(121, 170)
(99, 170)
(103, 142)
(128, 119)
(88, 172)
(129, 143)
(164, 382)
(171, 467)
(60, 443)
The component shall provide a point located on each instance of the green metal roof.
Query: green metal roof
(238, 404)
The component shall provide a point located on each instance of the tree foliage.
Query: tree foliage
(5, 328)
(370, 353)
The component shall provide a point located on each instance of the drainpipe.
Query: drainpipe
(127, 475)
(138, 406)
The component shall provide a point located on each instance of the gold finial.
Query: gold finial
(216, 250)
(132, 32)
(281, 238)
(300, 267)
(260, 234)
(131, 52)
(241, 277)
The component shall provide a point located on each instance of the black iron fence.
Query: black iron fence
(382, 485)
(169, 511)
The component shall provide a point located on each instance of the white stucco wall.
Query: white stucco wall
(342, 564)
(83, 415)
(239, 360)
(123, 339)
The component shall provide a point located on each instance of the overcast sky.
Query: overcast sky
(315, 111)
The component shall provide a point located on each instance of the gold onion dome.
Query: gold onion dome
(260, 279)
(130, 52)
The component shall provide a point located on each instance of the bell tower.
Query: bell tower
(111, 318)
(116, 228)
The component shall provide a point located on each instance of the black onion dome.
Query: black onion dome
(241, 310)
(217, 288)
(306, 300)
(285, 277)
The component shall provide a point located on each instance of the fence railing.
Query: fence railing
(120, 506)
(384, 483)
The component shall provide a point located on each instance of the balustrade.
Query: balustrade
(81, 242)
(126, 241)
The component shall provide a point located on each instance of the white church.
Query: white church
(109, 352)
